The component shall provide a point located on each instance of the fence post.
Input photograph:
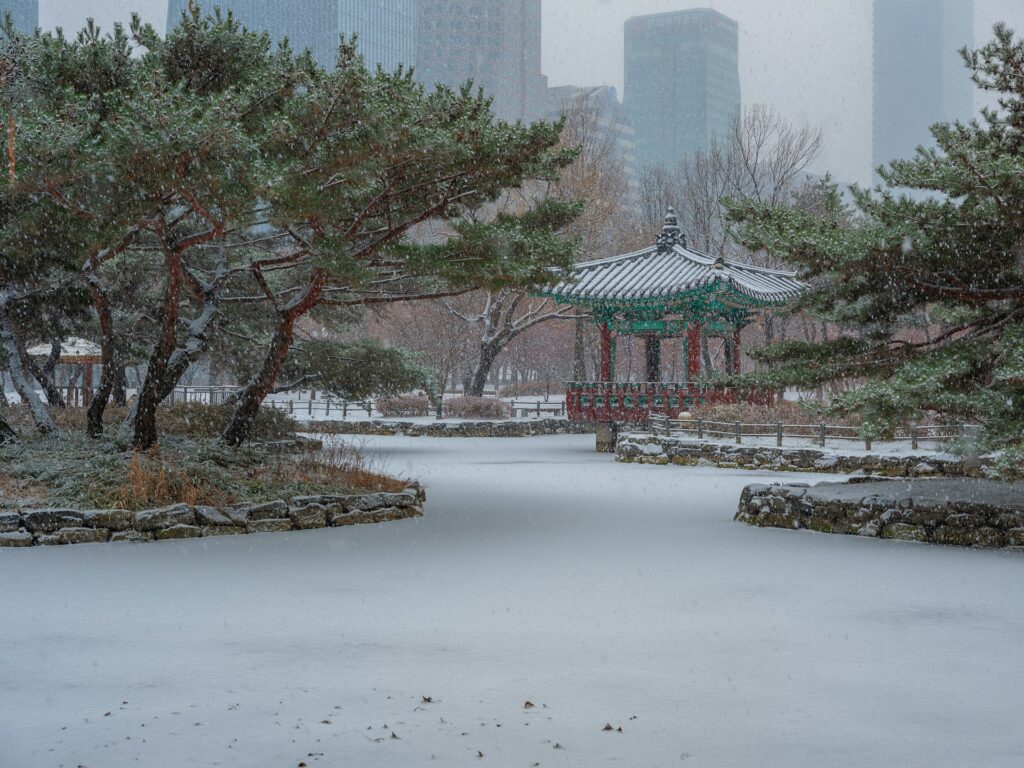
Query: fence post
(739, 433)
(867, 443)
(327, 407)
(368, 405)
(344, 409)
(538, 409)
(778, 434)
(913, 437)
(822, 435)
(291, 406)
(700, 429)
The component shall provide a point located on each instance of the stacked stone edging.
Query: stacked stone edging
(643, 448)
(532, 428)
(960, 512)
(31, 527)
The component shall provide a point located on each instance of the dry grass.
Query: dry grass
(68, 468)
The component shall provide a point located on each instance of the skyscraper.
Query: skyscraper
(24, 14)
(610, 122)
(496, 44)
(919, 77)
(386, 28)
(682, 82)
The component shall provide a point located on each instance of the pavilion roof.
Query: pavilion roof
(670, 272)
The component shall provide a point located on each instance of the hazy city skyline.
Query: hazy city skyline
(809, 59)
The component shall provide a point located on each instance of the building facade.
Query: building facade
(386, 29)
(919, 78)
(611, 121)
(682, 83)
(24, 14)
(496, 44)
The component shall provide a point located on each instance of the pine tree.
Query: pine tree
(953, 248)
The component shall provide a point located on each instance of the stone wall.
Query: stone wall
(530, 428)
(30, 527)
(962, 512)
(643, 448)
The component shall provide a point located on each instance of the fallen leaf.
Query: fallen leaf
(528, 705)
(394, 736)
(427, 700)
(479, 754)
(607, 727)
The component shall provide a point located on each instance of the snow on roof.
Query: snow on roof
(667, 270)
(69, 348)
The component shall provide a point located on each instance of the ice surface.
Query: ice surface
(600, 592)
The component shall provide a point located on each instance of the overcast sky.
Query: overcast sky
(810, 59)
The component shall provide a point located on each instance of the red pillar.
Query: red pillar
(693, 350)
(736, 350)
(606, 372)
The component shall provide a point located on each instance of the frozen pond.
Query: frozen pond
(542, 572)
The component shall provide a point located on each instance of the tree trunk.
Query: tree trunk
(9, 340)
(120, 387)
(144, 434)
(252, 396)
(489, 352)
(110, 357)
(53, 395)
(7, 434)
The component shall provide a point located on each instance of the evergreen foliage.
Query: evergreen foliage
(945, 233)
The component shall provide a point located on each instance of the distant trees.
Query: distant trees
(954, 251)
(242, 191)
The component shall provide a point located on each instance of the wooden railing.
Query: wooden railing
(660, 424)
(633, 402)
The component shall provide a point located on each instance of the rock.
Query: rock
(164, 517)
(826, 462)
(653, 449)
(178, 532)
(211, 516)
(343, 517)
(269, 525)
(870, 528)
(904, 532)
(50, 520)
(271, 510)
(74, 536)
(313, 516)
(223, 530)
(1015, 537)
(968, 537)
(9, 521)
(111, 519)
(130, 536)
(923, 469)
(377, 500)
(15, 539)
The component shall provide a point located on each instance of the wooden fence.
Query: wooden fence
(819, 433)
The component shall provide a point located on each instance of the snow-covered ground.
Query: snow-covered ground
(542, 572)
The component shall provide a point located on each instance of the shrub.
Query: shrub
(202, 420)
(197, 420)
(476, 408)
(404, 405)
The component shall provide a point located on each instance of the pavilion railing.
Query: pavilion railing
(633, 402)
(659, 424)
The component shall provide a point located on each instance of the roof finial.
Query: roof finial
(671, 235)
